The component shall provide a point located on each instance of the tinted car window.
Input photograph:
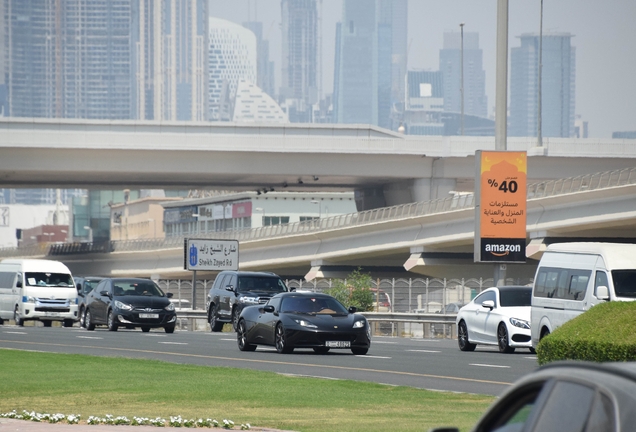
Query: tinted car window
(515, 296)
(488, 295)
(136, 288)
(312, 305)
(602, 415)
(624, 283)
(261, 283)
(566, 409)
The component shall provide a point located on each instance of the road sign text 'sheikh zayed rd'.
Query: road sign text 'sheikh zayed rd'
(500, 206)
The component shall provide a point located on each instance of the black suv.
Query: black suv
(232, 290)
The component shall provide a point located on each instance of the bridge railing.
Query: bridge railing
(602, 180)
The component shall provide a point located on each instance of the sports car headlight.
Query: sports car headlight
(248, 300)
(170, 307)
(520, 323)
(122, 306)
(305, 323)
(358, 324)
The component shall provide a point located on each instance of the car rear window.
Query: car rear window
(515, 296)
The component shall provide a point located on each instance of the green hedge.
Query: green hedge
(606, 332)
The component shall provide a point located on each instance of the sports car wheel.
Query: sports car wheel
(88, 320)
(235, 318)
(215, 324)
(502, 339)
(112, 324)
(321, 350)
(280, 342)
(82, 317)
(241, 338)
(462, 338)
(17, 318)
(359, 351)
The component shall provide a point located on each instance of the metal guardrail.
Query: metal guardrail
(602, 180)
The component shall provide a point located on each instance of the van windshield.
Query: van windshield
(49, 279)
(624, 283)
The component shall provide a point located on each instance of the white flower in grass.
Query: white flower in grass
(228, 424)
(73, 419)
(245, 426)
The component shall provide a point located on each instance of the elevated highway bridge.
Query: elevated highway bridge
(433, 238)
(383, 167)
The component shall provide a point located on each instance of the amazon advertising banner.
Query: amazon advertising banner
(500, 206)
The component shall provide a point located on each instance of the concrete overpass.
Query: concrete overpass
(433, 238)
(384, 167)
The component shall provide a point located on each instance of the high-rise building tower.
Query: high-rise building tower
(450, 60)
(68, 58)
(170, 42)
(232, 56)
(371, 61)
(557, 86)
(265, 67)
(299, 79)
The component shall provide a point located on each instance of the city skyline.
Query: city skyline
(605, 90)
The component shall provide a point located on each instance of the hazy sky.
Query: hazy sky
(604, 37)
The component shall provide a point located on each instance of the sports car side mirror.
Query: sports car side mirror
(488, 304)
(268, 308)
(353, 309)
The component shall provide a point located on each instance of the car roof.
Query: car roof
(302, 294)
(249, 273)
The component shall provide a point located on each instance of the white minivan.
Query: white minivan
(573, 277)
(34, 289)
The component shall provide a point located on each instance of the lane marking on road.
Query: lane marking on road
(226, 339)
(89, 337)
(424, 351)
(174, 343)
(383, 342)
(14, 332)
(155, 335)
(490, 365)
(373, 357)
(261, 361)
(531, 357)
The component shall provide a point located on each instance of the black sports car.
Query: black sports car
(303, 320)
(129, 303)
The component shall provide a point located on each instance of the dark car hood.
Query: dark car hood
(144, 301)
(257, 293)
(328, 320)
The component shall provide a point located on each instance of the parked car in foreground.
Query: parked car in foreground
(233, 290)
(497, 316)
(303, 320)
(130, 303)
(566, 396)
(84, 286)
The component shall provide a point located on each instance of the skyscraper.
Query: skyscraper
(232, 57)
(265, 67)
(557, 86)
(475, 100)
(68, 59)
(371, 61)
(299, 79)
(170, 41)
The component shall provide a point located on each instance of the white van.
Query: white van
(32, 289)
(573, 277)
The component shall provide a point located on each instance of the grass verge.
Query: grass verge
(87, 385)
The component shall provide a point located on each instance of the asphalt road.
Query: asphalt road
(424, 363)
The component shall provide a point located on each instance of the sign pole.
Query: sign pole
(194, 289)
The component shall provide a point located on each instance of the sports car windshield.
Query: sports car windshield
(313, 306)
(49, 279)
(624, 283)
(261, 284)
(515, 296)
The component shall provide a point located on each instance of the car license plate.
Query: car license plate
(338, 344)
(52, 314)
(148, 316)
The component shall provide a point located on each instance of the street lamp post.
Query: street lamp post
(539, 126)
(319, 207)
(461, 68)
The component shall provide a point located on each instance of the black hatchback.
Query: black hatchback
(130, 303)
